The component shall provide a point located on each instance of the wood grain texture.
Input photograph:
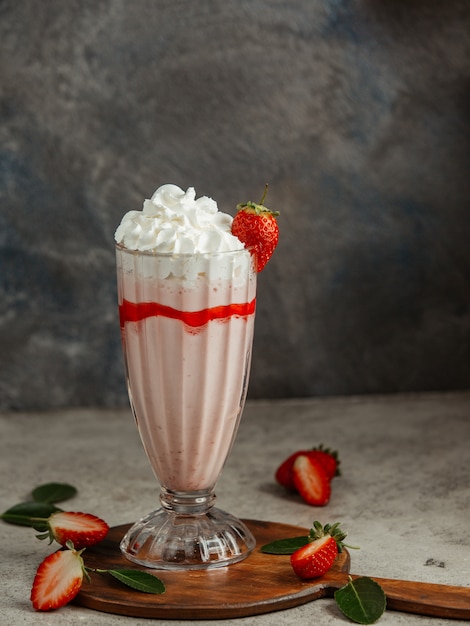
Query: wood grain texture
(262, 583)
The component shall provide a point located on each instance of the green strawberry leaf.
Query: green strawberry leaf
(284, 546)
(33, 514)
(362, 600)
(54, 492)
(139, 580)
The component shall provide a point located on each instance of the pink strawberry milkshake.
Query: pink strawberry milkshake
(187, 293)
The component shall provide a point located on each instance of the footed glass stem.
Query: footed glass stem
(187, 532)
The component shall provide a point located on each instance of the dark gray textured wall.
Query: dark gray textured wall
(355, 111)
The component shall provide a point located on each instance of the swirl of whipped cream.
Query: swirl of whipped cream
(174, 221)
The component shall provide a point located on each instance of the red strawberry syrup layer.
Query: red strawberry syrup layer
(138, 311)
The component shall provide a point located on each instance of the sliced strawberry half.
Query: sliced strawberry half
(82, 529)
(311, 480)
(58, 580)
(318, 555)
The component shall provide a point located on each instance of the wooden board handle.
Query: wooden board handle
(426, 598)
(445, 601)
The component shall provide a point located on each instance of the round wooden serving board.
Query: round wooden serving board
(259, 584)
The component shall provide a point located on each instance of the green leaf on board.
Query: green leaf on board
(54, 492)
(31, 513)
(139, 580)
(284, 546)
(362, 600)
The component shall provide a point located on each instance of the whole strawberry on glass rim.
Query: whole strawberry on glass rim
(256, 226)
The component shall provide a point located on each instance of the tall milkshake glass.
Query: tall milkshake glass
(187, 329)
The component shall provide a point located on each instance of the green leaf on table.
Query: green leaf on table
(54, 492)
(362, 600)
(139, 580)
(31, 513)
(284, 546)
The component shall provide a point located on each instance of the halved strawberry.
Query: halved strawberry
(82, 529)
(328, 458)
(255, 225)
(58, 580)
(311, 480)
(318, 555)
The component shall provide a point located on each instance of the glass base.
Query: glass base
(171, 540)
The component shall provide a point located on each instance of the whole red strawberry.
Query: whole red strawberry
(256, 226)
(328, 458)
(318, 555)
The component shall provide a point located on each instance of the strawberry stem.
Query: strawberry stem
(96, 570)
(264, 194)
